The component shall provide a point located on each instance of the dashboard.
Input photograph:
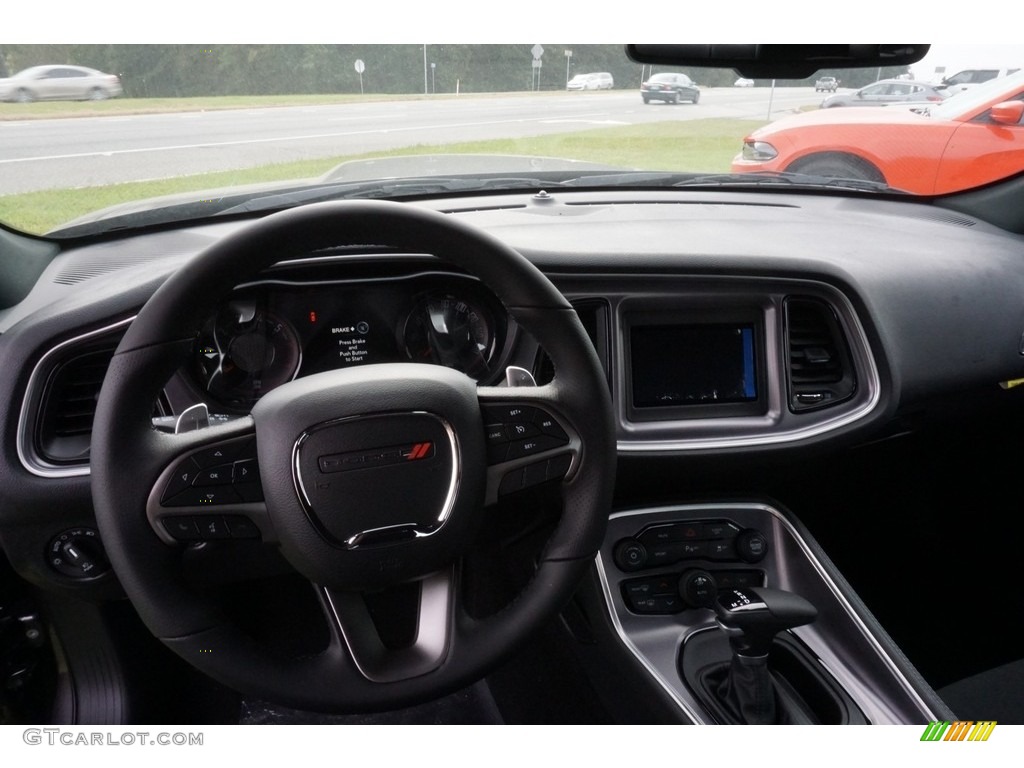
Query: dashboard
(722, 322)
(732, 328)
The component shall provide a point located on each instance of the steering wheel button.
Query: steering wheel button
(508, 414)
(181, 479)
(220, 475)
(216, 455)
(519, 430)
(246, 471)
(558, 466)
(531, 446)
(495, 434)
(549, 426)
(241, 527)
(535, 474)
(249, 492)
(212, 527)
(511, 483)
(181, 528)
(204, 496)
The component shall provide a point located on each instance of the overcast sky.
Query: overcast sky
(957, 57)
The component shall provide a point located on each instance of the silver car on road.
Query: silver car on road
(59, 82)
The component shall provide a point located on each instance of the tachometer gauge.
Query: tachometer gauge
(452, 331)
(246, 352)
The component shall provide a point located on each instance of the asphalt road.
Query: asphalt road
(84, 151)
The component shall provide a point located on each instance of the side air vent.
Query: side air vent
(820, 372)
(68, 407)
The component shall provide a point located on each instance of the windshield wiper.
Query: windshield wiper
(786, 178)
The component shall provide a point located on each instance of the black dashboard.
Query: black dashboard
(722, 321)
(731, 327)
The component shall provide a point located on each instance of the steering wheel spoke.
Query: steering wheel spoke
(401, 634)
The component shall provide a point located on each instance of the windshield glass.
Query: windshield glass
(105, 136)
(967, 102)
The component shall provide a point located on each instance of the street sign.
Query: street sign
(537, 51)
(360, 67)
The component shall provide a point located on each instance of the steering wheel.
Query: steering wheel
(368, 477)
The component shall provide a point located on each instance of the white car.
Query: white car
(744, 82)
(591, 81)
(59, 83)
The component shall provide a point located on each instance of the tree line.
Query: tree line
(149, 71)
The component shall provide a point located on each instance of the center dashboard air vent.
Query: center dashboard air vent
(820, 372)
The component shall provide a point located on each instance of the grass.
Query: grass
(690, 145)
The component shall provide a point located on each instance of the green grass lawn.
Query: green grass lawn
(690, 145)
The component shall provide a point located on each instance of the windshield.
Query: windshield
(97, 137)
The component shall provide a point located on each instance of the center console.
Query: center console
(666, 573)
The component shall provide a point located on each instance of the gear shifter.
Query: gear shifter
(752, 618)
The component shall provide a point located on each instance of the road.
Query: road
(84, 151)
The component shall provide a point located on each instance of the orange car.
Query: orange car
(972, 138)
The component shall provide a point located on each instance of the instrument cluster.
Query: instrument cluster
(271, 332)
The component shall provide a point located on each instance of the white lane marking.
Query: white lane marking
(587, 122)
(175, 147)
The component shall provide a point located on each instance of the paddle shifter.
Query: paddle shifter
(752, 617)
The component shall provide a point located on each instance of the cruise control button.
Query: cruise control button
(495, 434)
(549, 426)
(530, 446)
(508, 414)
(519, 430)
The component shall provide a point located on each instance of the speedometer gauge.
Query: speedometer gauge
(246, 352)
(449, 330)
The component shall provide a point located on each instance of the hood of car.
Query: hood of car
(866, 116)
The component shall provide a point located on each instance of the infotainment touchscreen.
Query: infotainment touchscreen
(698, 364)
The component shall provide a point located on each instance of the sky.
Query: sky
(462, 21)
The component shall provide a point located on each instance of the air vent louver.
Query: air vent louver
(69, 406)
(820, 371)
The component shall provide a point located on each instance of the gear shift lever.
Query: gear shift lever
(752, 618)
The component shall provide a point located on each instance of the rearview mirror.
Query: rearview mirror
(778, 61)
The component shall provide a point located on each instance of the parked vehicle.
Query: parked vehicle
(968, 78)
(966, 141)
(893, 91)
